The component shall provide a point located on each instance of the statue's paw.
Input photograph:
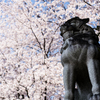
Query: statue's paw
(95, 97)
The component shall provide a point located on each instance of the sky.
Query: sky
(32, 1)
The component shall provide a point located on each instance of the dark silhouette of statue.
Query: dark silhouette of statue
(80, 57)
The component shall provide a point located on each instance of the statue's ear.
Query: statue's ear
(74, 18)
(86, 20)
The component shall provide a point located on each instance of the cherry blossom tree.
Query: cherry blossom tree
(30, 43)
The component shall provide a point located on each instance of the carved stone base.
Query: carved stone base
(95, 97)
(91, 97)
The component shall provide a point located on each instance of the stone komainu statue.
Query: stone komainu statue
(80, 56)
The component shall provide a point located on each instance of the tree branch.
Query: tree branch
(49, 47)
(44, 43)
(2, 98)
(36, 38)
(25, 90)
(87, 3)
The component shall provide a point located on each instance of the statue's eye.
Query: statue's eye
(86, 29)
